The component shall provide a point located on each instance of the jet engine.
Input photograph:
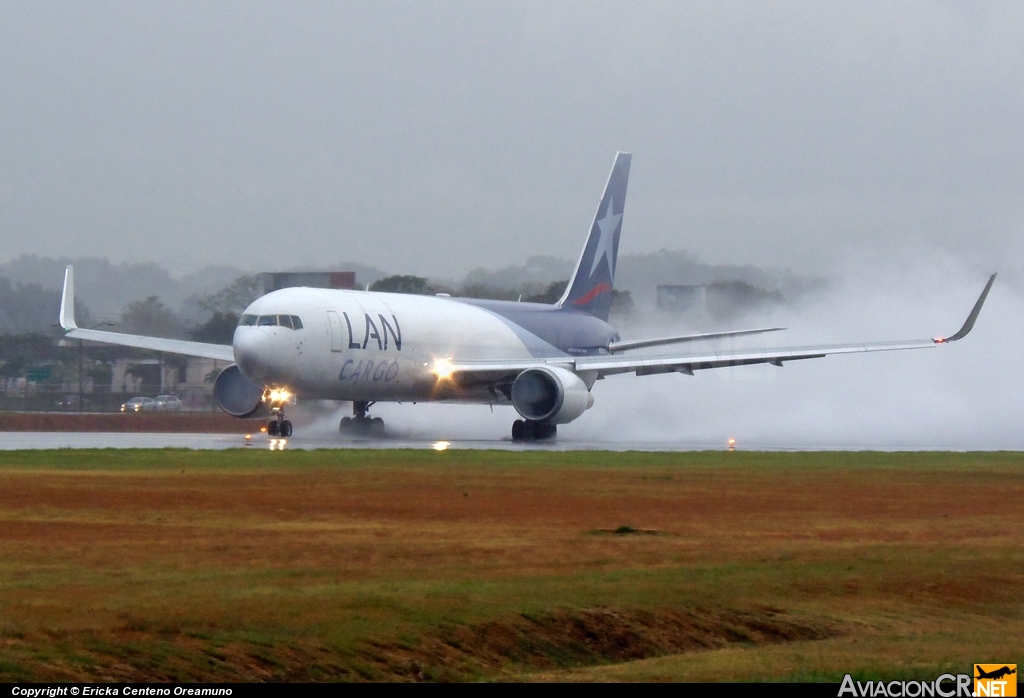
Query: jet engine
(236, 394)
(550, 394)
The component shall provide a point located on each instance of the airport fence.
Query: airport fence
(33, 397)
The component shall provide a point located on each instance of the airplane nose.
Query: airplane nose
(253, 352)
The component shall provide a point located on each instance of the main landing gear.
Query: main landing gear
(528, 430)
(360, 423)
(279, 426)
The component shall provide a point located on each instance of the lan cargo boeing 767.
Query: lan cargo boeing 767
(369, 347)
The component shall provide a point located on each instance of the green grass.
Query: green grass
(141, 460)
(362, 565)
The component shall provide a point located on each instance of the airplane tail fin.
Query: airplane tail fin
(590, 289)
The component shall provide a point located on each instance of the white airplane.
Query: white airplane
(368, 347)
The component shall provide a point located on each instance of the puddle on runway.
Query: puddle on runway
(15, 441)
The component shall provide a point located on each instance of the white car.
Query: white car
(167, 403)
(138, 404)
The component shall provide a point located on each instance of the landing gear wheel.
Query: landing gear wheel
(273, 429)
(362, 425)
(285, 429)
(533, 431)
(376, 428)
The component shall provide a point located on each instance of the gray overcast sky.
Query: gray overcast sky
(432, 137)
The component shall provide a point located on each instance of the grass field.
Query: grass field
(461, 565)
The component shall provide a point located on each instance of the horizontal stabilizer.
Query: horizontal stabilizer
(616, 347)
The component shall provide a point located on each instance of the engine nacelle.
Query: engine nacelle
(550, 394)
(236, 394)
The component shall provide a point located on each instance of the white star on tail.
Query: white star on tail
(605, 245)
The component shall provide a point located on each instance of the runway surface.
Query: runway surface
(14, 441)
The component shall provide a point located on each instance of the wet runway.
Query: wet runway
(14, 441)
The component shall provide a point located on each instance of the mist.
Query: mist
(962, 396)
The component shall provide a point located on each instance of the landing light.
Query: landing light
(441, 445)
(443, 368)
(731, 443)
(278, 395)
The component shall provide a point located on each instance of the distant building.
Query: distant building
(192, 380)
(682, 299)
(275, 281)
(721, 299)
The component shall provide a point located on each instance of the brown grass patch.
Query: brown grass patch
(580, 637)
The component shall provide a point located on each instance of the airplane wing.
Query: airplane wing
(171, 346)
(607, 365)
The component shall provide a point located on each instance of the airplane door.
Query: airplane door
(338, 336)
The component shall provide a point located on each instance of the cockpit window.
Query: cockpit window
(290, 321)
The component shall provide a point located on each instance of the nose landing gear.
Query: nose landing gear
(528, 430)
(279, 426)
(360, 424)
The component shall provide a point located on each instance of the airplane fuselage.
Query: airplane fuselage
(356, 345)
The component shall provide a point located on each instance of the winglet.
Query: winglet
(67, 300)
(971, 319)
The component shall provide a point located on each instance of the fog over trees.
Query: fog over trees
(146, 298)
